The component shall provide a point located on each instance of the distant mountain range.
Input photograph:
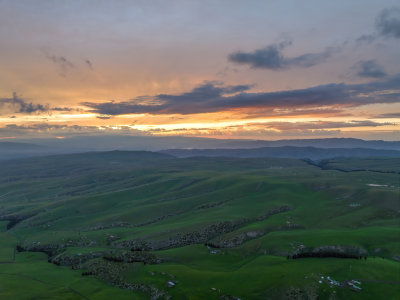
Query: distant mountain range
(189, 146)
(156, 143)
(285, 152)
(10, 150)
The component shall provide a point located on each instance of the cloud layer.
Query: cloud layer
(214, 97)
(273, 129)
(46, 130)
(389, 115)
(317, 125)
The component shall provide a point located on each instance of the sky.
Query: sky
(222, 69)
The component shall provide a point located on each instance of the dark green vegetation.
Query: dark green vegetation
(286, 152)
(146, 225)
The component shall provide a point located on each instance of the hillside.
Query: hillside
(285, 152)
(148, 225)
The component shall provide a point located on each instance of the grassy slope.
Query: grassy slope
(266, 277)
(31, 277)
(159, 198)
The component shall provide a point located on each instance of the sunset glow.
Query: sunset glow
(138, 70)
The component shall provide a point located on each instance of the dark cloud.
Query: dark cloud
(271, 57)
(214, 97)
(200, 99)
(389, 115)
(63, 64)
(104, 117)
(388, 22)
(89, 64)
(64, 109)
(19, 105)
(369, 69)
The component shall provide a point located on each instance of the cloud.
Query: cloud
(19, 105)
(89, 64)
(104, 117)
(292, 112)
(45, 130)
(64, 109)
(63, 64)
(214, 97)
(389, 115)
(285, 126)
(366, 38)
(369, 69)
(200, 99)
(272, 58)
(388, 22)
(243, 131)
(271, 129)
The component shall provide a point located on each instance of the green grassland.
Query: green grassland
(217, 228)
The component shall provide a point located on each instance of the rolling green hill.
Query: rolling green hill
(286, 152)
(147, 225)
